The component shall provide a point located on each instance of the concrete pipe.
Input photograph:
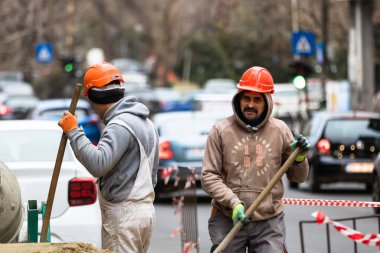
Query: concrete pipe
(11, 208)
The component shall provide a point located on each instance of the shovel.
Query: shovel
(57, 168)
(259, 199)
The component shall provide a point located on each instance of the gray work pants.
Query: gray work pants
(266, 236)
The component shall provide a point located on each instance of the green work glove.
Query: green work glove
(238, 214)
(304, 145)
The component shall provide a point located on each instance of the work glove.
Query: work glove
(304, 145)
(238, 214)
(68, 122)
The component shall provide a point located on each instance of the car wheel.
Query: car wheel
(376, 192)
(312, 180)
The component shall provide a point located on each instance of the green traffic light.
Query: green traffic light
(69, 67)
(299, 82)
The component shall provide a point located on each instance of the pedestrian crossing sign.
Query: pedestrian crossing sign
(44, 53)
(303, 43)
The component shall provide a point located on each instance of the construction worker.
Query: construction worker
(125, 160)
(243, 153)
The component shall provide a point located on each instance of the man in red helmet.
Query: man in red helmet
(125, 160)
(243, 153)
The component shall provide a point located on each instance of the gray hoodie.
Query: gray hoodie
(116, 158)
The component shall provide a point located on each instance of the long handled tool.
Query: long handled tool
(57, 167)
(259, 199)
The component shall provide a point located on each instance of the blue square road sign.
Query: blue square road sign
(44, 53)
(303, 43)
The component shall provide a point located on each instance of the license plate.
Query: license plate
(359, 168)
(194, 153)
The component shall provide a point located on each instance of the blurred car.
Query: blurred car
(21, 106)
(183, 138)
(170, 100)
(29, 148)
(161, 99)
(376, 182)
(16, 88)
(127, 65)
(220, 85)
(343, 147)
(52, 109)
(134, 80)
(145, 96)
(11, 75)
(5, 112)
(212, 102)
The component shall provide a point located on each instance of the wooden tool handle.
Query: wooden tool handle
(258, 200)
(57, 168)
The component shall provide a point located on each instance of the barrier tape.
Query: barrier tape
(171, 172)
(366, 239)
(188, 247)
(324, 202)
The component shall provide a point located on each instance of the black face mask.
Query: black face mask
(105, 96)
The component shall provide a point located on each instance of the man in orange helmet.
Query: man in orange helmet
(243, 153)
(125, 160)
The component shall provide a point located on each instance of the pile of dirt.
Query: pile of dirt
(50, 248)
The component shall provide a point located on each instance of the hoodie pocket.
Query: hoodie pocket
(265, 207)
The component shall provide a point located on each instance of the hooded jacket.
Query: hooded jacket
(240, 160)
(116, 158)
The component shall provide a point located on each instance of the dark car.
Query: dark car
(376, 182)
(52, 109)
(343, 147)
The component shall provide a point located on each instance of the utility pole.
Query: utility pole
(186, 70)
(325, 65)
(295, 26)
(69, 39)
(361, 62)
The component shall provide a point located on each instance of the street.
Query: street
(314, 235)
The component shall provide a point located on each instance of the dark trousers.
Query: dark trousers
(266, 236)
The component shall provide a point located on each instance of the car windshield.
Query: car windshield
(57, 113)
(32, 145)
(349, 130)
(197, 127)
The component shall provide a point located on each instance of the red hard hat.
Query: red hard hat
(256, 79)
(99, 75)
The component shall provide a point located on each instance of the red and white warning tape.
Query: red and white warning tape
(188, 247)
(324, 202)
(367, 239)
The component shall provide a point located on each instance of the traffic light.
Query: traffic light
(70, 65)
(299, 71)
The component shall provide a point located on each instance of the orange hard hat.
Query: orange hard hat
(99, 75)
(256, 79)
